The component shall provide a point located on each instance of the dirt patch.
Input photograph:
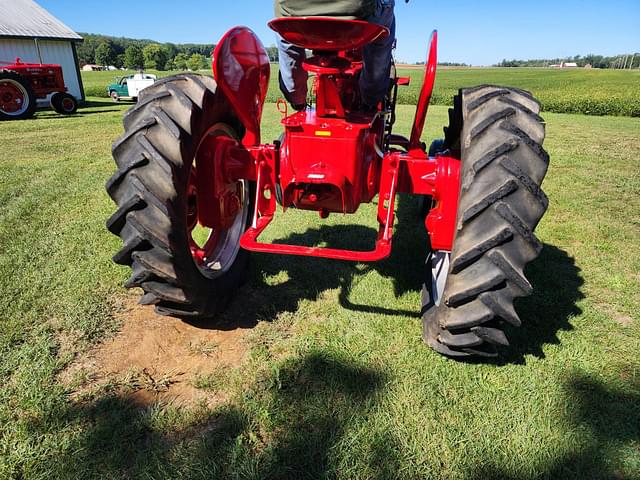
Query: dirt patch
(623, 320)
(158, 359)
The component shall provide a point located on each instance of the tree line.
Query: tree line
(626, 61)
(136, 54)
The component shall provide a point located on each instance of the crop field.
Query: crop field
(317, 370)
(591, 92)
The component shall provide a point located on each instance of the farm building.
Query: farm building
(564, 65)
(31, 33)
(92, 68)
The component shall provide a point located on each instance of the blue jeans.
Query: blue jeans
(374, 80)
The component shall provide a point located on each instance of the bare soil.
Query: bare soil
(157, 359)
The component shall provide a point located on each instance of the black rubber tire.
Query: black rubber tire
(453, 131)
(500, 205)
(154, 159)
(59, 101)
(114, 96)
(30, 96)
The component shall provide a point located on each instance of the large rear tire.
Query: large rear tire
(17, 98)
(500, 205)
(155, 189)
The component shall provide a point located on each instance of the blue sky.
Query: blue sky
(479, 33)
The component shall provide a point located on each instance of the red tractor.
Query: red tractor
(21, 84)
(191, 158)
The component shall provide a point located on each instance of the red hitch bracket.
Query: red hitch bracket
(265, 208)
(437, 177)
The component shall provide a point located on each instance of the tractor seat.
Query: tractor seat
(327, 34)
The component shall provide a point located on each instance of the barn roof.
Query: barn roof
(25, 18)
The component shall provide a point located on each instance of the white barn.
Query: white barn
(31, 33)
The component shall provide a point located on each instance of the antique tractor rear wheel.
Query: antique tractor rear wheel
(185, 270)
(17, 99)
(470, 295)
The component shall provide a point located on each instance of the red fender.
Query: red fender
(425, 93)
(241, 69)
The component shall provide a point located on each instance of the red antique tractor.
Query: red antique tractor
(21, 84)
(191, 158)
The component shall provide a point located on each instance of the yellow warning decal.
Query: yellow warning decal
(322, 133)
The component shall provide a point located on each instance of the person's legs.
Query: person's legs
(293, 78)
(374, 81)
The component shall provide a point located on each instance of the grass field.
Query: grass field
(592, 92)
(336, 382)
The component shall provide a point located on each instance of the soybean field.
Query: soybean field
(586, 91)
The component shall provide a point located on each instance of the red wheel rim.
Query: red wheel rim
(217, 208)
(13, 97)
(68, 104)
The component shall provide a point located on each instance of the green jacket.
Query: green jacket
(348, 9)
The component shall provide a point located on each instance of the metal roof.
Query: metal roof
(25, 18)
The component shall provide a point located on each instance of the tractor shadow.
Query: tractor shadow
(83, 113)
(307, 278)
(100, 103)
(557, 283)
(554, 275)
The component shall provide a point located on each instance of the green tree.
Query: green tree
(119, 60)
(170, 50)
(133, 57)
(154, 57)
(196, 62)
(87, 49)
(180, 61)
(105, 54)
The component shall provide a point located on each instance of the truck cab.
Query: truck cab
(130, 86)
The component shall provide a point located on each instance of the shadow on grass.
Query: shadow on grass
(289, 422)
(83, 113)
(308, 277)
(97, 103)
(292, 423)
(105, 103)
(556, 284)
(606, 421)
(554, 275)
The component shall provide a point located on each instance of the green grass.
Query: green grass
(592, 92)
(96, 83)
(338, 383)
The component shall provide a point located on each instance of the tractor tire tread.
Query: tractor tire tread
(154, 157)
(484, 125)
(121, 173)
(501, 202)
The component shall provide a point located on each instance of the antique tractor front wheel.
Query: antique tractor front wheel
(185, 270)
(64, 103)
(470, 295)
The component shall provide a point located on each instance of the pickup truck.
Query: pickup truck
(130, 86)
